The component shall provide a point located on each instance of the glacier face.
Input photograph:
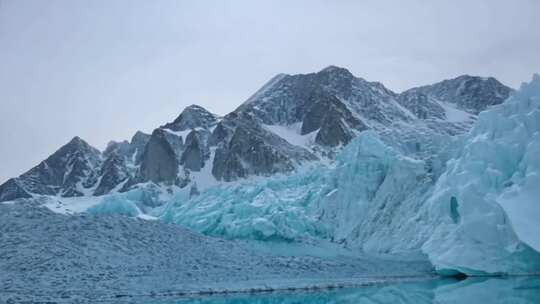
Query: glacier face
(280, 209)
(481, 215)
(485, 208)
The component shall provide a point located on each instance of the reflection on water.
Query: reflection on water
(472, 290)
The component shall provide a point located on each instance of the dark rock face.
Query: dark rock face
(252, 150)
(176, 142)
(335, 122)
(121, 162)
(333, 133)
(12, 190)
(81, 161)
(336, 131)
(285, 99)
(422, 106)
(132, 151)
(224, 130)
(113, 172)
(159, 162)
(67, 172)
(138, 143)
(469, 93)
(196, 150)
(192, 117)
(123, 148)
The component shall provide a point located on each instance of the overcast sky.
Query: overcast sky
(105, 69)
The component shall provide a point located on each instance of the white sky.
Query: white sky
(103, 69)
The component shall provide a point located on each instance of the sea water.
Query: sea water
(471, 290)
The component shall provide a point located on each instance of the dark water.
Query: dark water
(472, 290)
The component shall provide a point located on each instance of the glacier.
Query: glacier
(469, 203)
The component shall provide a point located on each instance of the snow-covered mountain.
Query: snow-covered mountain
(293, 120)
(192, 117)
(78, 169)
(70, 171)
(468, 93)
(423, 178)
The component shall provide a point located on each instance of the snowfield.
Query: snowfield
(45, 256)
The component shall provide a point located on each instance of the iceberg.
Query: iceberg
(115, 205)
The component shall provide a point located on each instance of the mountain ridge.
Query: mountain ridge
(324, 110)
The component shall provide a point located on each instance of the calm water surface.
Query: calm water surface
(472, 290)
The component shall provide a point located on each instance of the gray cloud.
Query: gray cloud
(104, 69)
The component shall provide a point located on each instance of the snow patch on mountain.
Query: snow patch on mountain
(292, 134)
(266, 87)
(454, 114)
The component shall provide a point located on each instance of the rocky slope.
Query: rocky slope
(293, 120)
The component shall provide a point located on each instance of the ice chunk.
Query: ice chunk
(115, 205)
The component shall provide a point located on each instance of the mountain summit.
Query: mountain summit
(192, 117)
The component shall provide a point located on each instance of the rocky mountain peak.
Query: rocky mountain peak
(160, 158)
(291, 120)
(67, 172)
(192, 117)
(122, 148)
(76, 140)
(139, 137)
(77, 146)
(336, 72)
(472, 94)
(77, 143)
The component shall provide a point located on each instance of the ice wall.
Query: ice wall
(280, 209)
(486, 207)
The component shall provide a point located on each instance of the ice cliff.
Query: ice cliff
(485, 208)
